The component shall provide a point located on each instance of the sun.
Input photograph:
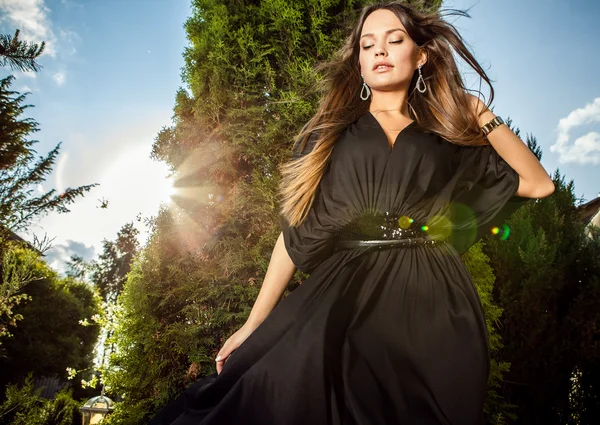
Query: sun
(165, 190)
(133, 182)
(170, 190)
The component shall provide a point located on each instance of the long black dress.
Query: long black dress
(394, 336)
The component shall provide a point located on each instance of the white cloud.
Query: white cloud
(116, 157)
(59, 254)
(60, 78)
(585, 149)
(25, 89)
(31, 17)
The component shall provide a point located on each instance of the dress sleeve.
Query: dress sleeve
(484, 197)
(311, 242)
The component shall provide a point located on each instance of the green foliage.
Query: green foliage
(109, 272)
(20, 266)
(19, 171)
(21, 403)
(250, 77)
(250, 87)
(50, 335)
(19, 54)
(548, 286)
(63, 410)
(171, 315)
(497, 410)
(24, 406)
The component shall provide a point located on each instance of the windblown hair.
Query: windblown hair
(444, 109)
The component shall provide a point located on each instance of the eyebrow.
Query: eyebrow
(387, 32)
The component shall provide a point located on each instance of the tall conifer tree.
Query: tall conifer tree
(19, 54)
(20, 172)
(548, 284)
(249, 72)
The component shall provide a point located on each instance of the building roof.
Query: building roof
(590, 210)
(12, 236)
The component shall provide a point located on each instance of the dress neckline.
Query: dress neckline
(397, 138)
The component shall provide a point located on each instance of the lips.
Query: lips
(383, 65)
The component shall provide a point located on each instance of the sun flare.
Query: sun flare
(134, 183)
(166, 190)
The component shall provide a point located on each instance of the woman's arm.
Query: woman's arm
(280, 271)
(534, 181)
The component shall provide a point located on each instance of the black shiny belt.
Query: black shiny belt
(382, 231)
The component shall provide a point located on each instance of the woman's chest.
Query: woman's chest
(413, 151)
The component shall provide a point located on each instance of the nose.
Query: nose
(379, 50)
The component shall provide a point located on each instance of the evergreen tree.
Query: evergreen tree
(20, 172)
(249, 74)
(548, 284)
(108, 275)
(250, 87)
(497, 410)
(110, 271)
(20, 55)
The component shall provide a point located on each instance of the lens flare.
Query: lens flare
(404, 222)
(504, 232)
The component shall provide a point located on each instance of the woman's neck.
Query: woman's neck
(393, 103)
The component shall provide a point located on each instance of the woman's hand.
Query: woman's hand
(280, 271)
(232, 344)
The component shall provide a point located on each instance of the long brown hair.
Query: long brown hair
(445, 109)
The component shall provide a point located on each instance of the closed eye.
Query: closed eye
(391, 42)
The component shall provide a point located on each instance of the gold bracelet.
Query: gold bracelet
(490, 125)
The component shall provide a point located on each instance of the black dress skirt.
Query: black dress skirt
(373, 337)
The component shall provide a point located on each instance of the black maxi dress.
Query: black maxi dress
(372, 337)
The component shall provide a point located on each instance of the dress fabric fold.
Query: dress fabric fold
(394, 336)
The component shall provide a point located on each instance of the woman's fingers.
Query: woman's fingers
(222, 360)
(229, 348)
(224, 351)
(220, 364)
(221, 357)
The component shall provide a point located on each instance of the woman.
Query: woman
(398, 173)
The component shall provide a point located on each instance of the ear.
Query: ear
(422, 58)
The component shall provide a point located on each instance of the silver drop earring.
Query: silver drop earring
(421, 80)
(364, 87)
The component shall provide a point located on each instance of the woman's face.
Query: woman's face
(388, 56)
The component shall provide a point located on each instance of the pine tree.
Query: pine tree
(109, 272)
(20, 55)
(250, 77)
(20, 172)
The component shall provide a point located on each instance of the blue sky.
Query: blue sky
(112, 69)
